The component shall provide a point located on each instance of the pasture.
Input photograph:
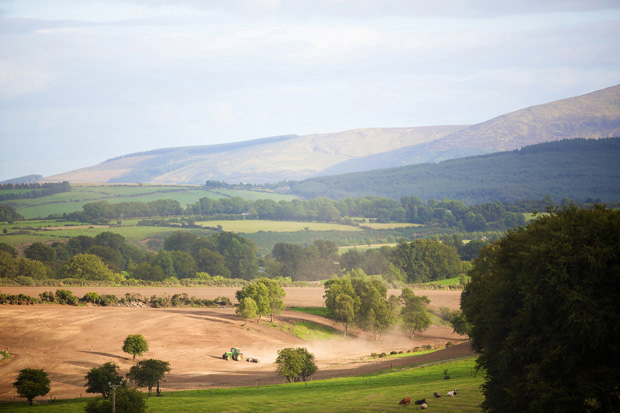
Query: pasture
(259, 225)
(380, 391)
(73, 201)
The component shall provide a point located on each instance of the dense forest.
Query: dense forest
(575, 168)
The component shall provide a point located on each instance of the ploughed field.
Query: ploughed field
(68, 341)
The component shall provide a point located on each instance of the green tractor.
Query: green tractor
(234, 353)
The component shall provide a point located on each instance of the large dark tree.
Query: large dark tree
(32, 383)
(295, 363)
(148, 373)
(98, 379)
(543, 308)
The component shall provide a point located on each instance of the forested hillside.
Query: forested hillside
(575, 168)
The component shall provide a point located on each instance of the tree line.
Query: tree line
(357, 300)
(446, 213)
(418, 261)
(225, 255)
(37, 190)
(107, 257)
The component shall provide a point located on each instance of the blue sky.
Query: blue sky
(82, 81)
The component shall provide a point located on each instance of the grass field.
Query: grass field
(389, 225)
(447, 281)
(257, 225)
(73, 201)
(308, 330)
(379, 391)
(320, 311)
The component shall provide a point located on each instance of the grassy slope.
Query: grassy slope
(74, 201)
(374, 392)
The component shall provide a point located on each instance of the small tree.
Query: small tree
(98, 379)
(128, 400)
(32, 383)
(247, 309)
(459, 323)
(413, 313)
(148, 373)
(260, 294)
(344, 310)
(135, 345)
(295, 363)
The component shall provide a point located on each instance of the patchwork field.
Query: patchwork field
(68, 341)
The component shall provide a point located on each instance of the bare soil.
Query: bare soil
(68, 341)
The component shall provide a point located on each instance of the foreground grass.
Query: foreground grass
(374, 392)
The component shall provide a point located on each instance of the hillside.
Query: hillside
(291, 157)
(577, 169)
(594, 115)
(257, 161)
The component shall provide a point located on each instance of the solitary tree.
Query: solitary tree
(543, 308)
(98, 379)
(32, 383)
(413, 313)
(148, 373)
(135, 345)
(295, 363)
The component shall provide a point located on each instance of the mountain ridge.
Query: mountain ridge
(293, 157)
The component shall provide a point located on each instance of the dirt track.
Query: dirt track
(68, 341)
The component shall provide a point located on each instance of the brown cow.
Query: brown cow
(406, 401)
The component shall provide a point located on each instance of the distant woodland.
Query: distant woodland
(31, 190)
(446, 213)
(575, 168)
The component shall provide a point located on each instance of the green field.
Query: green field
(379, 391)
(73, 201)
(258, 225)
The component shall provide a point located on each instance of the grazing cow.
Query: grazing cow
(452, 393)
(406, 401)
(424, 406)
(437, 395)
(420, 401)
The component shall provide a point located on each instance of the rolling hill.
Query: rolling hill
(291, 157)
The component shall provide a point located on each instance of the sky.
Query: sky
(82, 81)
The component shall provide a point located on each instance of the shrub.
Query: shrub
(91, 297)
(47, 297)
(24, 280)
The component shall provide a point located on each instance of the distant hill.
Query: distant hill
(257, 161)
(594, 115)
(577, 169)
(28, 179)
(291, 157)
